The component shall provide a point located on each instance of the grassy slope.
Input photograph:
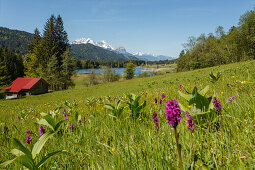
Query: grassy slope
(128, 144)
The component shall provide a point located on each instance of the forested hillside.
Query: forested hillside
(238, 44)
(17, 41)
(92, 52)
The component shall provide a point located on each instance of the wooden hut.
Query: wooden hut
(26, 86)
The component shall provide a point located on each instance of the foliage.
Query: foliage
(15, 40)
(11, 66)
(134, 105)
(234, 46)
(101, 142)
(111, 75)
(49, 56)
(201, 106)
(26, 157)
(214, 78)
(116, 109)
(129, 71)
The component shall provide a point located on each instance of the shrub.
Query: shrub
(111, 75)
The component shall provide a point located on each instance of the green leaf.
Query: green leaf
(183, 108)
(44, 122)
(185, 96)
(200, 101)
(49, 155)
(204, 91)
(17, 152)
(58, 125)
(109, 106)
(40, 143)
(7, 162)
(50, 120)
(43, 114)
(21, 147)
(26, 161)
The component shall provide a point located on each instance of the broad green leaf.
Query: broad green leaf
(50, 120)
(183, 108)
(17, 152)
(7, 162)
(43, 114)
(109, 106)
(185, 96)
(26, 161)
(49, 155)
(200, 101)
(44, 122)
(40, 143)
(58, 125)
(21, 147)
(204, 91)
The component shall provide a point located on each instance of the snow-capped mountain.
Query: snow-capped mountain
(122, 50)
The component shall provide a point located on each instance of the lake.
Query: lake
(118, 70)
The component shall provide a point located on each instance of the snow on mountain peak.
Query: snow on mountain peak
(121, 50)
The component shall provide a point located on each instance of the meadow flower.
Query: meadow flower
(146, 93)
(18, 117)
(41, 130)
(231, 98)
(79, 122)
(71, 127)
(163, 95)
(28, 139)
(29, 132)
(180, 86)
(160, 101)
(217, 105)
(228, 84)
(173, 112)
(190, 122)
(242, 82)
(155, 100)
(35, 115)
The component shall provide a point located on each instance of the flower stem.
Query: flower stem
(178, 148)
(191, 148)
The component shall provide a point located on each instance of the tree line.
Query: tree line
(238, 44)
(11, 66)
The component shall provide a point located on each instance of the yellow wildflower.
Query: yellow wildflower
(222, 92)
(242, 82)
(233, 76)
(113, 149)
(189, 107)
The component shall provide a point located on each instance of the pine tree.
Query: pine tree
(68, 68)
(129, 72)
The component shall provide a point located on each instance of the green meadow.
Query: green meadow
(106, 141)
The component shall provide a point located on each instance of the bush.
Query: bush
(111, 75)
(93, 78)
(129, 72)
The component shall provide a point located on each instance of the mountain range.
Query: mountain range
(83, 48)
(122, 50)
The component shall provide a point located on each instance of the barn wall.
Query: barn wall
(39, 88)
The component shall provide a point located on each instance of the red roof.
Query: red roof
(22, 83)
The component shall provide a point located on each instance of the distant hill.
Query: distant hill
(92, 52)
(17, 41)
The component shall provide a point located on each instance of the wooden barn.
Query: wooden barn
(26, 86)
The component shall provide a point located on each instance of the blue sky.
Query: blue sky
(152, 26)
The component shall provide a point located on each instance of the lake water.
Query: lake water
(118, 70)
